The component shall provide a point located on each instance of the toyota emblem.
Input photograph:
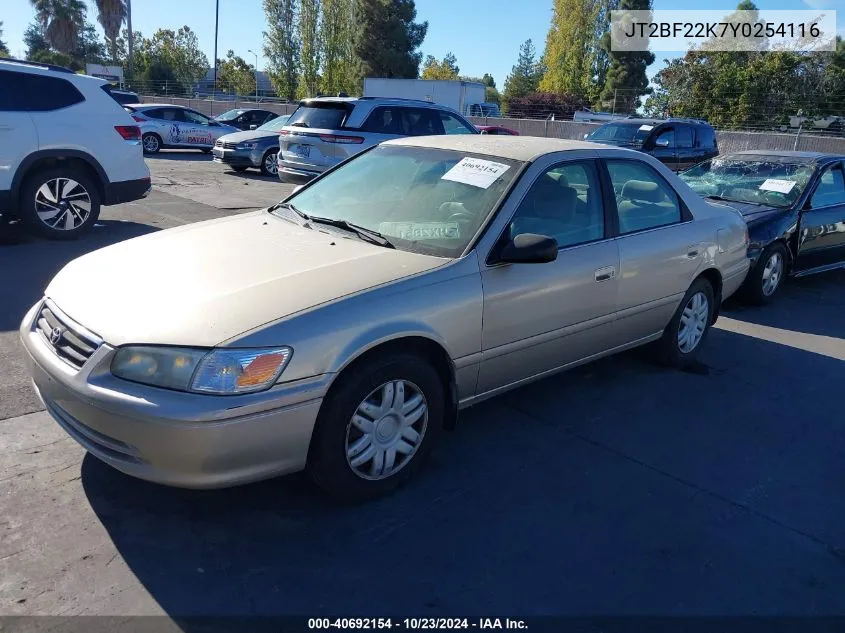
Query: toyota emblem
(56, 335)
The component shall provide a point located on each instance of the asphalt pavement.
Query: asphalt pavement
(617, 488)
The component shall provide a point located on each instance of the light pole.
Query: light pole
(256, 73)
(214, 62)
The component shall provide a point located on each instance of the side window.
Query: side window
(644, 200)
(830, 190)
(36, 93)
(164, 114)
(564, 203)
(665, 139)
(196, 118)
(706, 137)
(452, 125)
(424, 122)
(683, 137)
(386, 120)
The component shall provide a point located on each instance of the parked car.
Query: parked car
(246, 119)
(347, 325)
(256, 148)
(496, 129)
(166, 126)
(66, 149)
(677, 143)
(794, 204)
(325, 131)
(589, 116)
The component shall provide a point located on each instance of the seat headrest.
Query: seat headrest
(642, 190)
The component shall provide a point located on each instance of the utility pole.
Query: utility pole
(216, 22)
(130, 39)
(256, 73)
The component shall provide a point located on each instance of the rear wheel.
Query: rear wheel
(59, 203)
(151, 143)
(269, 164)
(683, 338)
(376, 427)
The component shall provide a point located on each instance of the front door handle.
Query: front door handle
(606, 273)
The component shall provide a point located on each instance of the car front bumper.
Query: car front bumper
(173, 438)
(237, 157)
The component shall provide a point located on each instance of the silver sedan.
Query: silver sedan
(343, 329)
(166, 126)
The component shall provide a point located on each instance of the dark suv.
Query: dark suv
(677, 143)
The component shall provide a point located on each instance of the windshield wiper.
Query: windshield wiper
(287, 205)
(298, 124)
(371, 236)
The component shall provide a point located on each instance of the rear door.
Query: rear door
(17, 130)
(821, 238)
(688, 153)
(315, 139)
(198, 128)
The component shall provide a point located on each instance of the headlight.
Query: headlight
(247, 145)
(218, 371)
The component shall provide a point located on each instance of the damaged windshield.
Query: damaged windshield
(766, 180)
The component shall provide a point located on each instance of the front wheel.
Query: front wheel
(376, 427)
(683, 338)
(269, 164)
(766, 278)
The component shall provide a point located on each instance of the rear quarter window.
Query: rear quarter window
(36, 93)
(706, 137)
(326, 117)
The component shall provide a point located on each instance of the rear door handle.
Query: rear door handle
(606, 273)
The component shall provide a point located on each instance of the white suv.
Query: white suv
(66, 148)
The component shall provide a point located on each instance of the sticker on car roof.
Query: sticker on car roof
(476, 172)
(413, 231)
(646, 128)
(777, 185)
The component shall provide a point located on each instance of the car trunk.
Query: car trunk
(314, 138)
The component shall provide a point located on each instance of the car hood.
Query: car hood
(205, 283)
(251, 135)
(752, 212)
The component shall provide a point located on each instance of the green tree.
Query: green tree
(35, 41)
(525, 75)
(172, 56)
(387, 38)
(4, 50)
(111, 14)
(310, 49)
(446, 69)
(573, 47)
(335, 35)
(626, 79)
(62, 22)
(235, 75)
(281, 46)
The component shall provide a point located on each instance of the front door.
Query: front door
(539, 317)
(664, 148)
(198, 129)
(821, 235)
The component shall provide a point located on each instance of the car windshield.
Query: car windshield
(765, 180)
(434, 200)
(275, 125)
(621, 132)
(230, 115)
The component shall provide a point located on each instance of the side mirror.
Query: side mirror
(662, 142)
(529, 248)
(253, 127)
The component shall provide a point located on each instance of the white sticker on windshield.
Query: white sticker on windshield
(646, 128)
(414, 231)
(476, 172)
(775, 184)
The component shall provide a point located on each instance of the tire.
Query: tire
(339, 444)
(273, 168)
(56, 198)
(206, 151)
(669, 349)
(151, 143)
(239, 168)
(766, 278)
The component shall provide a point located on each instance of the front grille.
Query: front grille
(229, 145)
(70, 342)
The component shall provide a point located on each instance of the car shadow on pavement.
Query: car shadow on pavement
(28, 263)
(813, 305)
(618, 487)
(179, 154)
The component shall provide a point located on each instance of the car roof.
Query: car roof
(521, 148)
(651, 121)
(797, 157)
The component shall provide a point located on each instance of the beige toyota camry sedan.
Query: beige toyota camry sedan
(342, 330)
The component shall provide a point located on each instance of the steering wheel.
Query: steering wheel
(461, 216)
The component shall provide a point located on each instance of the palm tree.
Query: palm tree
(62, 22)
(111, 16)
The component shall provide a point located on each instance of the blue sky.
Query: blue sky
(486, 39)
